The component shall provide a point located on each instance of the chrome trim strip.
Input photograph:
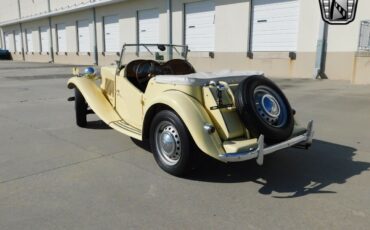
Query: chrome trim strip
(127, 127)
(261, 151)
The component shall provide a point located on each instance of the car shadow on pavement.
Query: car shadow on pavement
(145, 145)
(98, 124)
(292, 172)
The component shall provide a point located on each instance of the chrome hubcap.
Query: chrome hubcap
(168, 143)
(270, 106)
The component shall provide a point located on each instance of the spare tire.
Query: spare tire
(264, 109)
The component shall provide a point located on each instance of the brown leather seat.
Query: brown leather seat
(179, 67)
(130, 69)
(172, 67)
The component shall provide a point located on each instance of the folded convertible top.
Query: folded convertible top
(203, 78)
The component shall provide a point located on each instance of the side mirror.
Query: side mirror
(161, 47)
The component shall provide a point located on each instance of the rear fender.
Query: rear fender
(194, 117)
(95, 98)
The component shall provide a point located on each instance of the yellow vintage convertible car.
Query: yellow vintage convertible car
(230, 116)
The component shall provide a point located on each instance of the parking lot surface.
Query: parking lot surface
(54, 175)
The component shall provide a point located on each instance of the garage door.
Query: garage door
(148, 27)
(83, 36)
(111, 34)
(18, 41)
(62, 41)
(9, 41)
(29, 41)
(44, 39)
(200, 26)
(275, 25)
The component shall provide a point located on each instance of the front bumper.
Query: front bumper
(262, 150)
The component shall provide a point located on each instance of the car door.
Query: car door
(129, 102)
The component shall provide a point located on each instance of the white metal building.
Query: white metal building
(281, 37)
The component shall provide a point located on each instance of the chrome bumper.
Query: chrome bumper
(261, 150)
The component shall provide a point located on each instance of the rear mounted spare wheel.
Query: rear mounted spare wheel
(264, 109)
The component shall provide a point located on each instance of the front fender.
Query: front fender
(194, 117)
(95, 98)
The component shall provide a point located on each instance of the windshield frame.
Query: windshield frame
(170, 48)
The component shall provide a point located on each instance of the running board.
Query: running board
(122, 127)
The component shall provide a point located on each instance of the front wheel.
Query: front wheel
(171, 143)
(81, 109)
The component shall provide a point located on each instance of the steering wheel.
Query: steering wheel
(146, 70)
(166, 70)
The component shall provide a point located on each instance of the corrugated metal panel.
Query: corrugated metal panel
(83, 36)
(29, 41)
(148, 27)
(111, 33)
(18, 41)
(44, 37)
(9, 41)
(62, 40)
(200, 26)
(275, 25)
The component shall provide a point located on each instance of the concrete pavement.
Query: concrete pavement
(54, 175)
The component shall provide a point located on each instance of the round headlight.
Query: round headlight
(90, 71)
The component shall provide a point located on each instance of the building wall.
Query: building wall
(13, 29)
(232, 41)
(32, 7)
(127, 13)
(57, 4)
(8, 10)
(72, 55)
(361, 70)
(342, 58)
(231, 37)
(36, 55)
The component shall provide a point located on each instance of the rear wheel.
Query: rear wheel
(80, 108)
(171, 143)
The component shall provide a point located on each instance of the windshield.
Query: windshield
(157, 52)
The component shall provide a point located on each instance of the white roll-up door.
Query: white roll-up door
(200, 26)
(148, 27)
(275, 25)
(83, 36)
(18, 41)
(29, 41)
(111, 33)
(44, 39)
(9, 41)
(61, 36)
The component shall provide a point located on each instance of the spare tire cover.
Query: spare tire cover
(264, 109)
